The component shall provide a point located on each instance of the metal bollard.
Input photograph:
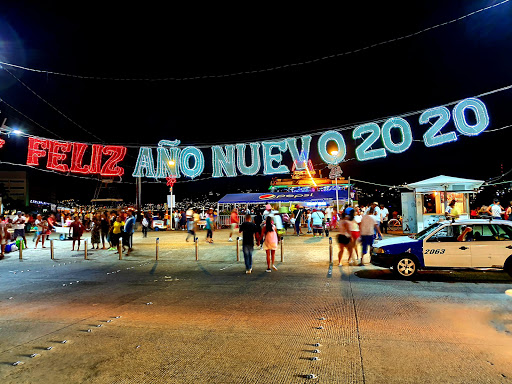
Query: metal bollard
(238, 249)
(197, 247)
(282, 253)
(157, 245)
(120, 251)
(52, 255)
(85, 248)
(330, 250)
(21, 249)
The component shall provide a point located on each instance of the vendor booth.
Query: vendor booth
(427, 203)
(307, 199)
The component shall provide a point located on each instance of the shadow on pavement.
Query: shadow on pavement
(458, 276)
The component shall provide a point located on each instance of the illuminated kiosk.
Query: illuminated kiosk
(427, 204)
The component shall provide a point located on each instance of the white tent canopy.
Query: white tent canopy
(445, 183)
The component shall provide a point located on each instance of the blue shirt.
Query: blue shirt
(128, 224)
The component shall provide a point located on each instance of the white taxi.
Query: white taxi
(470, 243)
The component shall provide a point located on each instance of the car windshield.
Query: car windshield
(427, 231)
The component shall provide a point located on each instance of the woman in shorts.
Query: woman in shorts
(345, 237)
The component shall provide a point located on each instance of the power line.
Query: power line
(262, 70)
(25, 116)
(51, 105)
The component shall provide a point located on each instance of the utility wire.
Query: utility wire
(262, 70)
(51, 105)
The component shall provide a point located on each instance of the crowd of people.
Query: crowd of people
(109, 228)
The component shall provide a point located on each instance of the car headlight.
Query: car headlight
(379, 250)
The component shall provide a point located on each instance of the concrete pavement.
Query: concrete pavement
(179, 320)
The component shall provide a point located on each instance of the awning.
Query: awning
(285, 197)
(440, 183)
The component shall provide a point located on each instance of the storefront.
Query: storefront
(428, 201)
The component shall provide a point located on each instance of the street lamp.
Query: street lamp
(334, 154)
(171, 163)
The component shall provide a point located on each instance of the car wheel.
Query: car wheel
(405, 266)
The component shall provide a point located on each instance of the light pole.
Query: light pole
(170, 182)
(334, 154)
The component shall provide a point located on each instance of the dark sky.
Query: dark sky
(449, 63)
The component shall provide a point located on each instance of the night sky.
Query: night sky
(449, 63)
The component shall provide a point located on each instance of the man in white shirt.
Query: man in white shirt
(384, 217)
(19, 227)
(495, 210)
(368, 227)
(328, 213)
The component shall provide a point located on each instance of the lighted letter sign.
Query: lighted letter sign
(223, 162)
(255, 159)
(296, 155)
(340, 143)
(269, 158)
(197, 156)
(431, 137)
(57, 155)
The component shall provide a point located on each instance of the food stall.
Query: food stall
(427, 203)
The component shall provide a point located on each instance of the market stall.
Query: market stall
(428, 201)
(307, 199)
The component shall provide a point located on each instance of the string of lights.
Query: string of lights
(261, 70)
(343, 127)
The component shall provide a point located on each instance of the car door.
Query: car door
(441, 248)
(492, 245)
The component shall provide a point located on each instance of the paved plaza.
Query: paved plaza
(178, 320)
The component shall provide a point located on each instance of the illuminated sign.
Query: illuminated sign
(57, 159)
(394, 136)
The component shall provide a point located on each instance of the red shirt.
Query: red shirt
(234, 218)
(78, 228)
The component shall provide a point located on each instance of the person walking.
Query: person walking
(4, 236)
(209, 227)
(299, 213)
(191, 225)
(129, 228)
(270, 242)
(78, 229)
(317, 217)
(105, 228)
(117, 231)
(367, 227)
(309, 221)
(249, 231)
(42, 227)
(19, 227)
(258, 220)
(145, 225)
(234, 222)
(95, 231)
(384, 217)
(345, 237)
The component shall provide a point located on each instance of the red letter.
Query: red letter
(55, 156)
(76, 159)
(96, 159)
(117, 154)
(34, 153)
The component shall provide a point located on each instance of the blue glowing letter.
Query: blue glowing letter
(223, 161)
(482, 118)
(198, 167)
(255, 159)
(268, 158)
(296, 157)
(168, 159)
(430, 138)
(362, 151)
(340, 142)
(145, 166)
(405, 131)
